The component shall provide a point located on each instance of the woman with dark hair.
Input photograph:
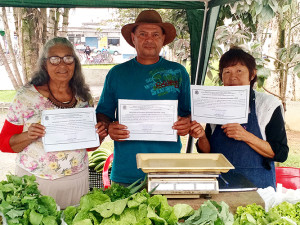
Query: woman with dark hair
(252, 148)
(87, 51)
(57, 83)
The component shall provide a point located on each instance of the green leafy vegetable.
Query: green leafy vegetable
(137, 199)
(284, 209)
(136, 209)
(49, 220)
(69, 214)
(84, 222)
(22, 203)
(107, 209)
(251, 214)
(35, 218)
(92, 199)
(183, 210)
(210, 212)
(116, 192)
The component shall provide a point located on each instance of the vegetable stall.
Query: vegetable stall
(21, 202)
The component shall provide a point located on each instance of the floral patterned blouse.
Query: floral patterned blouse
(26, 109)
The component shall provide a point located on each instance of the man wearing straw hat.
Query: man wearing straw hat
(146, 77)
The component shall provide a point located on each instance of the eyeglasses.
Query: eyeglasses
(55, 60)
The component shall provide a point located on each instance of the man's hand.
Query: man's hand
(235, 131)
(118, 132)
(182, 125)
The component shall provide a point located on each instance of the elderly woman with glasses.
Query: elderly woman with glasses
(58, 83)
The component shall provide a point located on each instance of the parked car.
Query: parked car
(115, 50)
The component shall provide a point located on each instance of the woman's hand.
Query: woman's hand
(20, 141)
(118, 132)
(239, 133)
(235, 131)
(35, 131)
(182, 125)
(101, 130)
(196, 130)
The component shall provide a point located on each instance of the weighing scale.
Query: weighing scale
(179, 175)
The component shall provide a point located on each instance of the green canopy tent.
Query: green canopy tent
(201, 16)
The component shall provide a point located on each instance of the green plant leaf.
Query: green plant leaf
(15, 213)
(35, 218)
(297, 70)
(286, 8)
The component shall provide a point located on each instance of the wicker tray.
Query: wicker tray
(95, 179)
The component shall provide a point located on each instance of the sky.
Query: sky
(78, 16)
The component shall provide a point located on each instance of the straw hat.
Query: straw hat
(149, 17)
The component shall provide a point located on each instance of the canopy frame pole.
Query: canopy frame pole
(201, 40)
(190, 142)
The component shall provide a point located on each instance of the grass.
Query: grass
(7, 96)
(292, 161)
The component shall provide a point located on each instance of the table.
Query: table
(232, 199)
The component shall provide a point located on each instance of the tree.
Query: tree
(53, 20)
(65, 22)
(11, 50)
(258, 18)
(19, 34)
(43, 24)
(31, 32)
(286, 57)
(181, 45)
(7, 67)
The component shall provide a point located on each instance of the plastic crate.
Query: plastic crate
(95, 179)
(289, 177)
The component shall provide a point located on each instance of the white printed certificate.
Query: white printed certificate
(149, 120)
(220, 104)
(69, 129)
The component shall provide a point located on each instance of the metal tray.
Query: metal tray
(183, 163)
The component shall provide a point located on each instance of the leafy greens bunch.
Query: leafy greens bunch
(251, 214)
(117, 191)
(139, 208)
(287, 211)
(22, 203)
(283, 214)
(210, 212)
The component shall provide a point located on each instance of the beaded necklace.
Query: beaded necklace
(59, 104)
